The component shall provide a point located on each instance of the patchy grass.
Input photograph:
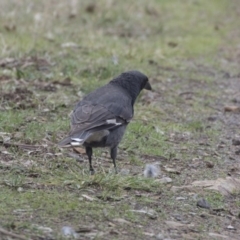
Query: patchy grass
(53, 53)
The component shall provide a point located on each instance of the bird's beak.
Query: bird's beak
(147, 86)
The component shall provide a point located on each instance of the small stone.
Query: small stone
(236, 142)
(178, 217)
(148, 211)
(180, 198)
(69, 231)
(151, 171)
(160, 236)
(237, 152)
(203, 203)
(209, 164)
(20, 189)
(165, 180)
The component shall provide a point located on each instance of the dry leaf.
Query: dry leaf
(226, 186)
(79, 150)
(231, 109)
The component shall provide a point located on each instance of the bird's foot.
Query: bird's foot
(92, 171)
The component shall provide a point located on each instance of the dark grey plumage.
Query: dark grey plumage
(100, 119)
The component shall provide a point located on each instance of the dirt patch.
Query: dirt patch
(21, 98)
(40, 64)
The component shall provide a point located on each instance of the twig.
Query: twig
(5, 232)
(23, 146)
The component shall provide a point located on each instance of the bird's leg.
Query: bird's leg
(89, 154)
(113, 153)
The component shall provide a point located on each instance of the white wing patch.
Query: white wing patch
(76, 142)
(113, 121)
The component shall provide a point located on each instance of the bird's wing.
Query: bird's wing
(113, 98)
(102, 109)
(88, 118)
(92, 117)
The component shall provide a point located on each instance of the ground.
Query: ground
(55, 52)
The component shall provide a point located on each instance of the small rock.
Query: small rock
(203, 203)
(236, 142)
(212, 119)
(121, 221)
(237, 152)
(69, 231)
(20, 189)
(178, 217)
(174, 225)
(165, 180)
(180, 198)
(209, 164)
(148, 211)
(160, 236)
(151, 171)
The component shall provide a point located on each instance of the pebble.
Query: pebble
(160, 236)
(165, 180)
(180, 198)
(151, 171)
(236, 142)
(203, 203)
(69, 231)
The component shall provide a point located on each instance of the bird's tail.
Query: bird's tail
(74, 140)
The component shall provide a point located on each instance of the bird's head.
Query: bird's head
(133, 82)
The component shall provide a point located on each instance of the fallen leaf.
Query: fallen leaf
(80, 150)
(226, 186)
(231, 109)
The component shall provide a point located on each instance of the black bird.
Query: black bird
(101, 118)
